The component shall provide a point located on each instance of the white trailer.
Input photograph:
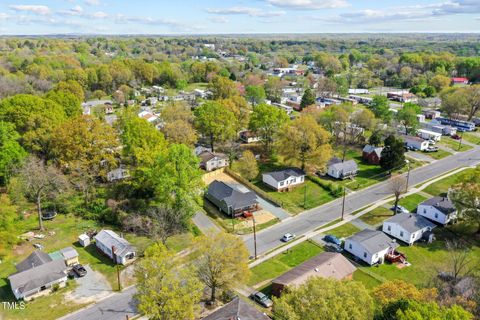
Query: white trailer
(429, 135)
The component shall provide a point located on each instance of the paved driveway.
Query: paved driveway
(91, 287)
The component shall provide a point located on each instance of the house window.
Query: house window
(389, 228)
(436, 215)
(350, 246)
(424, 210)
(281, 183)
(294, 180)
(364, 254)
(401, 233)
(301, 178)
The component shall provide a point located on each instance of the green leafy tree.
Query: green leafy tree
(466, 197)
(222, 262)
(376, 138)
(165, 288)
(414, 310)
(308, 98)
(321, 298)
(11, 152)
(380, 107)
(440, 82)
(67, 100)
(215, 122)
(248, 166)
(407, 116)
(255, 94)
(73, 87)
(222, 88)
(393, 154)
(266, 121)
(8, 217)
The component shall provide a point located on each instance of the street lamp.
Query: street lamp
(408, 174)
(460, 141)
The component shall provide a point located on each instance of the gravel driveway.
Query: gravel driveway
(91, 287)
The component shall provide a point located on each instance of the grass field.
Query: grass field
(283, 262)
(410, 202)
(376, 216)
(441, 186)
(369, 281)
(344, 231)
(471, 137)
(454, 144)
(440, 154)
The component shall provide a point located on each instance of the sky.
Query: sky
(42, 17)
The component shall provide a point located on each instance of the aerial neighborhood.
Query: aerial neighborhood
(267, 176)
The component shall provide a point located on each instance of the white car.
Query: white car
(287, 237)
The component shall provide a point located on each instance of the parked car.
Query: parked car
(287, 237)
(431, 149)
(431, 142)
(332, 239)
(400, 209)
(332, 247)
(79, 270)
(261, 299)
(456, 137)
(38, 246)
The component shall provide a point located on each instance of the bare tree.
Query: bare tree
(165, 222)
(397, 186)
(459, 261)
(41, 181)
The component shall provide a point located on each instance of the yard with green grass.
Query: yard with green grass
(442, 186)
(410, 202)
(283, 262)
(344, 230)
(471, 137)
(437, 155)
(454, 144)
(376, 216)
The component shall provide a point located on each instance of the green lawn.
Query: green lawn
(410, 202)
(369, 281)
(471, 137)
(376, 216)
(344, 231)
(442, 185)
(440, 154)
(454, 144)
(283, 262)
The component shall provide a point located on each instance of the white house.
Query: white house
(370, 246)
(284, 179)
(415, 142)
(212, 161)
(117, 174)
(284, 107)
(408, 227)
(249, 136)
(342, 170)
(429, 135)
(438, 209)
(358, 91)
(106, 240)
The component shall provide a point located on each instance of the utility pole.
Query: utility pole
(343, 202)
(408, 175)
(305, 196)
(254, 237)
(118, 268)
(460, 142)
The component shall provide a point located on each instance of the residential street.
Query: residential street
(312, 219)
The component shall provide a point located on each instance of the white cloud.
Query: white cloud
(93, 2)
(309, 4)
(252, 12)
(36, 9)
(99, 15)
(219, 20)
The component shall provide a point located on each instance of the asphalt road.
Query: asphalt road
(310, 220)
(116, 307)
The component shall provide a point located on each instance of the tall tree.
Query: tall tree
(381, 108)
(321, 298)
(8, 217)
(466, 198)
(393, 154)
(222, 88)
(180, 132)
(407, 116)
(67, 100)
(248, 166)
(11, 152)
(398, 289)
(255, 94)
(41, 181)
(266, 121)
(414, 310)
(215, 122)
(397, 185)
(304, 142)
(165, 289)
(308, 98)
(222, 262)
(165, 222)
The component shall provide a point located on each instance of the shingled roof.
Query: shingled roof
(237, 309)
(282, 175)
(372, 240)
(232, 197)
(411, 222)
(442, 204)
(37, 258)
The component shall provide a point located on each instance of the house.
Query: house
(285, 108)
(199, 149)
(402, 96)
(237, 309)
(229, 200)
(212, 161)
(371, 246)
(123, 251)
(429, 135)
(408, 227)
(438, 209)
(372, 154)
(339, 169)
(36, 274)
(150, 117)
(325, 265)
(437, 127)
(358, 91)
(415, 142)
(249, 136)
(117, 174)
(459, 80)
(284, 180)
(432, 114)
(108, 108)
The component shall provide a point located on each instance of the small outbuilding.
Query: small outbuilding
(83, 240)
(339, 169)
(372, 154)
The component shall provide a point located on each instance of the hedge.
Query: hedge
(334, 189)
(253, 187)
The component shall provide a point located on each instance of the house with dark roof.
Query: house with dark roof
(230, 200)
(115, 247)
(372, 154)
(339, 169)
(325, 265)
(284, 180)
(237, 309)
(407, 227)
(36, 275)
(210, 161)
(438, 209)
(249, 136)
(370, 246)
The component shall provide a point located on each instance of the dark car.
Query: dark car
(79, 270)
(332, 247)
(261, 299)
(455, 137)
(332, 239)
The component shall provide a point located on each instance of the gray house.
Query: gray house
(36, 274)
(106, 240)
(370, 246)
(237, 309)
(229, 200)
(339, 169)
(408, 227)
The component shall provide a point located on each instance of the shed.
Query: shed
(83, 240)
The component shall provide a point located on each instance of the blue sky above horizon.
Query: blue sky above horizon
(225, 16)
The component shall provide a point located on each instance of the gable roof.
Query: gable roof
(282, 175)
(69, 253)
(372, 240)
(442, 204)
(110, 239)
(232, 197)
(237, 309)
(325, 265)
(37, 258)
(369, 149)
(337, 165)
(411, 222)
(206, 156)
(37, 277)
